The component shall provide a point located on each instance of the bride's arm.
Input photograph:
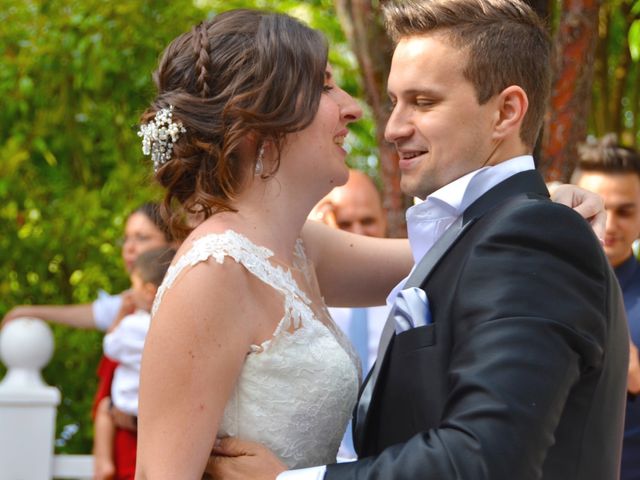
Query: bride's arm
(193, 354)
(355, 270)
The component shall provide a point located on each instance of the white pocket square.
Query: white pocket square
(411, 309)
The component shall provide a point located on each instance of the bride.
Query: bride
(246, 135)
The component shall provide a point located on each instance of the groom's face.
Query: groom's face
(440, 130)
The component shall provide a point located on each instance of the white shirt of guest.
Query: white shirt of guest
(376, 318)
(427, 222)
(105, 309)
(124, 345)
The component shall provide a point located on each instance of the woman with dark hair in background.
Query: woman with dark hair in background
(144, 230)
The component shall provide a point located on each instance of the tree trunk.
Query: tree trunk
(566, 124)
(362, 23)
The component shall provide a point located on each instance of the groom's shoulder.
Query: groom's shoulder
(533, 217)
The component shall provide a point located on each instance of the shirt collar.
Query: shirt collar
(461, 193)
(428, 220)
(449, 202)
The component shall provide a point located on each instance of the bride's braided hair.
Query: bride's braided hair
(203, 62)
(244, 72)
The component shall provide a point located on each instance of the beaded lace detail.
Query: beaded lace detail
(296, 390)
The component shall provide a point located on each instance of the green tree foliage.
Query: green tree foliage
(616, 92)
(74, 77)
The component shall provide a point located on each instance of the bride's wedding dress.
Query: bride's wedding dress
(296, 390)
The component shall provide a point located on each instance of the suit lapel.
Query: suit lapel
(527, 181)
(422, 271)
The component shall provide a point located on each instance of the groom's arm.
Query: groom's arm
(242, 459)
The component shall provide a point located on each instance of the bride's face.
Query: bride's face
(316, 155)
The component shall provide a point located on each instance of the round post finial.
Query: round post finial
(26, 346)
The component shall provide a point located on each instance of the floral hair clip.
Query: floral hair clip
(159, 135)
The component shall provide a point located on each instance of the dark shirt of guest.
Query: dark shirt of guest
(628, 274)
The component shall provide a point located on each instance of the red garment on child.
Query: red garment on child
(124, 453)
(106, 369)
(125, 442)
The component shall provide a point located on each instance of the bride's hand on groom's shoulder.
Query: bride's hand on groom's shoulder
(588, 204)
(234, 459)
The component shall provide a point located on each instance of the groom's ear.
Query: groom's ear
(511, 107)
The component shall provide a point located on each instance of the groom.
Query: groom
(516, 369)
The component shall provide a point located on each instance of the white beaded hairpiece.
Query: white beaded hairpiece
(159, 135)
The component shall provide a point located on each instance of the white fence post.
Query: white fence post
(27, 405)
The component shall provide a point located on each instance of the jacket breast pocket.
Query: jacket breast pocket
(415, 338)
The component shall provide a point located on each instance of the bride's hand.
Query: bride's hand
(587, 204)
(234, 459)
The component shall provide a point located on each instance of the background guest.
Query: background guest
(144, 230)
(124, 344)
(356, 207)
(613, 172)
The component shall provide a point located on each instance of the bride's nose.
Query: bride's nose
(350, 110)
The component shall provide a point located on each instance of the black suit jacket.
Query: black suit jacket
(522, 374)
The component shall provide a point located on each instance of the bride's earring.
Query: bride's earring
(259, 165)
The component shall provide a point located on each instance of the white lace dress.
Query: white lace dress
(296, 391)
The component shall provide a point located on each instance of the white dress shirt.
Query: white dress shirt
(105, 309)
(376, 318)
(427, 222)
(124, 345)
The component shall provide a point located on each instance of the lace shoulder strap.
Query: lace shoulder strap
(253, 257)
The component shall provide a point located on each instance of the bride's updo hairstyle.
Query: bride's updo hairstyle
(242, 73)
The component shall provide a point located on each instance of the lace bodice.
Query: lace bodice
(296, 390)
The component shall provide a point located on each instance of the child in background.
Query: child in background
(124, 343)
